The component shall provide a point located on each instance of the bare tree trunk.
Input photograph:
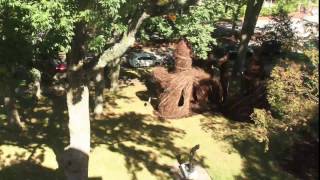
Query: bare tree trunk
(249, 23)
(12, 111)
(113, 74)
(76, 157)
(118, 49)
(36, 78)
(111, 57)
(79, 119)
(98, 101)
(235, 17)
(38, 89)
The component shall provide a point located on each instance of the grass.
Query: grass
(130, 143)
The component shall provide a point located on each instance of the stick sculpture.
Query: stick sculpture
(186, 87)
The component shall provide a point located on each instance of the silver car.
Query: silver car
(144, 59)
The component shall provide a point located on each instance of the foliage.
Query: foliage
(311, 76)
(290, 7)
(35, 74)
(46, 25)
(268, 11)
(262, 120)
(196, 25)
(30, 31)
(293, 89)
(293, 95)
(281, 31)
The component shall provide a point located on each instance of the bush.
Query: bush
(281, 31)
(262, 119)
(293, 96)
(268, 11)
(293, 90)
(290, 7)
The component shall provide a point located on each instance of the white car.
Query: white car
(145, 59)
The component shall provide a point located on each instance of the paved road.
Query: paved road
(299, 20)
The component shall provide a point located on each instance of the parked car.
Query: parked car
(144, 59)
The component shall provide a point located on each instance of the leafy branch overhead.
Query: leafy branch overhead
(195, 22)
(52, 22)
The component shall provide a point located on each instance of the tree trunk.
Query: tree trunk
(76, 157)
(235, 17)
(98, 101)
(38, 89)
(118, 49)
(36, 78)
(79, 119)
(249, 23)
(113, 74)
(12, 111)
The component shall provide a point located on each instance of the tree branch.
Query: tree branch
(128, 39)
(122, 46)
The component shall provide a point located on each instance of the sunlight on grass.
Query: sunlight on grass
(221, 163)
(13, 155)
(130, 143)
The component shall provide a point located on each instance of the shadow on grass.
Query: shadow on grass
(132, 135)
(27, 170)
(109, 99)
(145, 76)
(140, 139)
(46, 126)
(291, 155)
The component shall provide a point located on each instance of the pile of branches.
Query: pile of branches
(185, 88)
(241, 107)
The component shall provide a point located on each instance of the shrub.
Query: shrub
(281, 31)
(262, 119)
(293, 89)
(293, 95)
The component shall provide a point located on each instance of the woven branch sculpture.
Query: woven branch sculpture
(186, 87)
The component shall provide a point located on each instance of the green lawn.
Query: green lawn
(130, 143)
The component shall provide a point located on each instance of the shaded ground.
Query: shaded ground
(130, 143)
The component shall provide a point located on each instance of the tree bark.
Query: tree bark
(118, 49)
(98, 101)
(12, 111)
(235, 17)
(76, 156)
(113, 74)
(38, 89)
(111, 57)
(249, 23)
(79, 119)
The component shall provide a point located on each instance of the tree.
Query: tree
(104, 28)
(13, 43)
(29, 32)
(195, 23)
(129, 15)
(250, 19)
(235, 6)
(281, 31)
